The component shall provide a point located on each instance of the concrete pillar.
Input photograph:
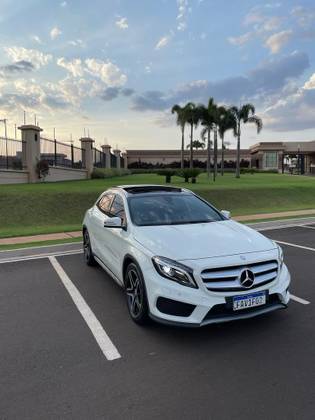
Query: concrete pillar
(117, 155)
(87, 159)
(106, 149)
(124, 155)
(31, 149)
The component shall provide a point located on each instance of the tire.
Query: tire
(136, 295)
(87, 249)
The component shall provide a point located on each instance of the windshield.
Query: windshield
(171, 209)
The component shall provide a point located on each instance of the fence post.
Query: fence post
(87, 156)
(31, 149)
(55, 152)
(72, 156)
(106, 150)
(117, 155)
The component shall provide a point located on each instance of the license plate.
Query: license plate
(249, 301)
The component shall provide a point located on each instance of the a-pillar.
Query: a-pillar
(87, 158)
(117, 155)
(31, 150)
(124, 155)
(106, 149)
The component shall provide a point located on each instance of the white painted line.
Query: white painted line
(295, 245)
(300, 300)
(104, 342)
(307, 227)
(39, 256)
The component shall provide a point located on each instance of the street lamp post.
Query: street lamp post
(4, 121)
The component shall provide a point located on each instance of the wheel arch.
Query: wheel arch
(127, 260)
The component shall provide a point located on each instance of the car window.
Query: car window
(171, 209)
(105, 202)
(117, 209)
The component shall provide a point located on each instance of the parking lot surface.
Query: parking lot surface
(60, 323)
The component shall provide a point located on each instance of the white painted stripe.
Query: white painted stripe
(39, 256)
(307, 227)
(295, 245)
(103, 340)
(300, 300)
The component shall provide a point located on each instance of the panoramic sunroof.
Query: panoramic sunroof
(152, 188)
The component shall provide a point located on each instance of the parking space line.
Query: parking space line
(300, 300)
(39, 256)
(295, 245)
(103, 340)
(307, 227)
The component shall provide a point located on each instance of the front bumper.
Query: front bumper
(209, 307)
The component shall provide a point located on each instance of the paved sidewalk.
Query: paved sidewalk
(67, 235)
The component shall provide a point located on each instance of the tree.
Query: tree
(196, 144)
(244, 114)
(192, 117)
(226, 122)
(207, 119)
(181, 122)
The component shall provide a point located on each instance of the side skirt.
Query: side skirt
(108, 271)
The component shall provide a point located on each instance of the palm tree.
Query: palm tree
(181, 122)
(244, 114)
(197, 145)
(207, 119)
(192, 117)
(226, 122)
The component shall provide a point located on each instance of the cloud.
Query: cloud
(122, 23)
(36, 39)
(55, 33)
(73, 66)
(108, 72)
(63, 4)
(113, 92)
(267, 79)
(110, 93)
(37, 58)
(310, 84)
(240, 40)
(276, 41)
(162, 42)
(17, 67)
(76, 43)
(181, 18)
(304, 16)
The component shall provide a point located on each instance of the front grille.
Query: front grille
(226, 279)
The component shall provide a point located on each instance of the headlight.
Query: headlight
(280, 256)
(175, 271)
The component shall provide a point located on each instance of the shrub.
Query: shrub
(189, 173)
(42, 168)
(168, 173)
(100, 173)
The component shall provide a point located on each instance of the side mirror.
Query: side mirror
(226, 214)
(113, 222)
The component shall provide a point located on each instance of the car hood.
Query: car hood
(203, 240)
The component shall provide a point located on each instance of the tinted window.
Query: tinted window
(117, 208)
(105, 202)
(171, 209)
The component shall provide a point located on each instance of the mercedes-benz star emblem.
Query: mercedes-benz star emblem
(247, 278)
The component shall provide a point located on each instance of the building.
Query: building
(296, 157)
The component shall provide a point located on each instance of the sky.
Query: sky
(115, 68)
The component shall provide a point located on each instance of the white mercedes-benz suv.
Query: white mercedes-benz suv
(181, 261)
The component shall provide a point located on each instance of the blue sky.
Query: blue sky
(116, 67)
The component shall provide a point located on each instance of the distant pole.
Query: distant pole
(84, 132)
(15, 131)
(24, 117)
(35, 119)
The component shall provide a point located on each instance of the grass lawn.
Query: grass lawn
(27, 209)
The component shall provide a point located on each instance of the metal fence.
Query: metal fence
(10, 153)
(62, 154)
(99, 158)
